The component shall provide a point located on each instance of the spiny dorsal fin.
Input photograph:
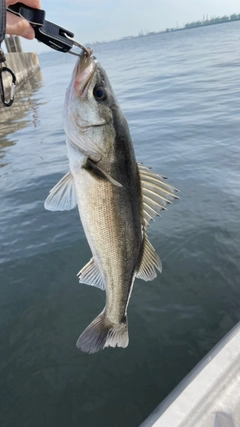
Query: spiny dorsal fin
(90, 275)
(150, 261)
(62, 196)
(155, 193)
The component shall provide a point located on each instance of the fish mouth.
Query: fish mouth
(85, 71)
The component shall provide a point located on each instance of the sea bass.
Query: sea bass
(116, 198)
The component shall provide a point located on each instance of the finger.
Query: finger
(36, 4)
(19, 27)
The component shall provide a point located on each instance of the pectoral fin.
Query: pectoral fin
(90, 275)
(62, 196)
(150, 260)
(91, 166)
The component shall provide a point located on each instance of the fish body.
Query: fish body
(108, 215)
(116, 198)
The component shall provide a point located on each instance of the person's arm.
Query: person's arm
(18, 26)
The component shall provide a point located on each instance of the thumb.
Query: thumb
(19, 27)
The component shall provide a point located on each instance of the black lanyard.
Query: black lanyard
(2, 20)
(54, 36)
(5, 69)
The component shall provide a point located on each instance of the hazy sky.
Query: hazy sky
(92, 20)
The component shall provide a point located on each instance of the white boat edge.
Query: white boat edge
(209, 396)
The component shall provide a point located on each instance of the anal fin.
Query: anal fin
(90, 275)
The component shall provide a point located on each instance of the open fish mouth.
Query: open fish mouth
(85, 70)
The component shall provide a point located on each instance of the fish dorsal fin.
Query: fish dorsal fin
(155, 193)
(62, 196)
(90, 165)
(150, 260)
(90, 275)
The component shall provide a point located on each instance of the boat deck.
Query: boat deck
(210, 395)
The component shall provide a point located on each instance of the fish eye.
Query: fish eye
(99, 93)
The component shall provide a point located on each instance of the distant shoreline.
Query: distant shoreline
(199, 26)
(190, 26)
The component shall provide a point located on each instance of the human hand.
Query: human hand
(18, 26)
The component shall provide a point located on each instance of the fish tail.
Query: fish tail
(102, 333)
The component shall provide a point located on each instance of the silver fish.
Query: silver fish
(116, 198)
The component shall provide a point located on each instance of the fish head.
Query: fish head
(90, 106)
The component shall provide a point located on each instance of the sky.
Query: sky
(98, 20)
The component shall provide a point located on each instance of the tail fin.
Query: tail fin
(102, 333)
